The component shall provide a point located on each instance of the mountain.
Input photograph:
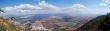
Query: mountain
(100, 23)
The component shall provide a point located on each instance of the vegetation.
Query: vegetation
(100, 23)
(5, 25)
(105, 25)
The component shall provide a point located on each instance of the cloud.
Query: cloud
(45, 8)
(104, 4)
(20, 10)
(28, 9)
(77, 9)
(106, 1)
(78, 6)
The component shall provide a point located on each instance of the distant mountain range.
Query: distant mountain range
(65, 17)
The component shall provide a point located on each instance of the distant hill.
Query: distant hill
(5, 25)
(100, 23)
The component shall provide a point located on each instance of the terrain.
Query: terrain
(100, 23)
(5, 25)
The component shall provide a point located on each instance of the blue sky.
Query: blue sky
(60, 3)
(64, 3)
(4, 3)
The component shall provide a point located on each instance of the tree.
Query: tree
(105, 25)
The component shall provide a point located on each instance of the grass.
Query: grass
(5, 25)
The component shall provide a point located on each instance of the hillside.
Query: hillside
(100, 23)
(5, 25)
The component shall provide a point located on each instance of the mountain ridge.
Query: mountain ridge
(97, 24)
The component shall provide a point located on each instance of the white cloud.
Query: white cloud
(106, 1)
(75, 9)
(28, 9)
(78, 6)
(43, 8)
(104, 4)
(23, 9)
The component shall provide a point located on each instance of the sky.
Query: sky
(72, 7)
(60, 3)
